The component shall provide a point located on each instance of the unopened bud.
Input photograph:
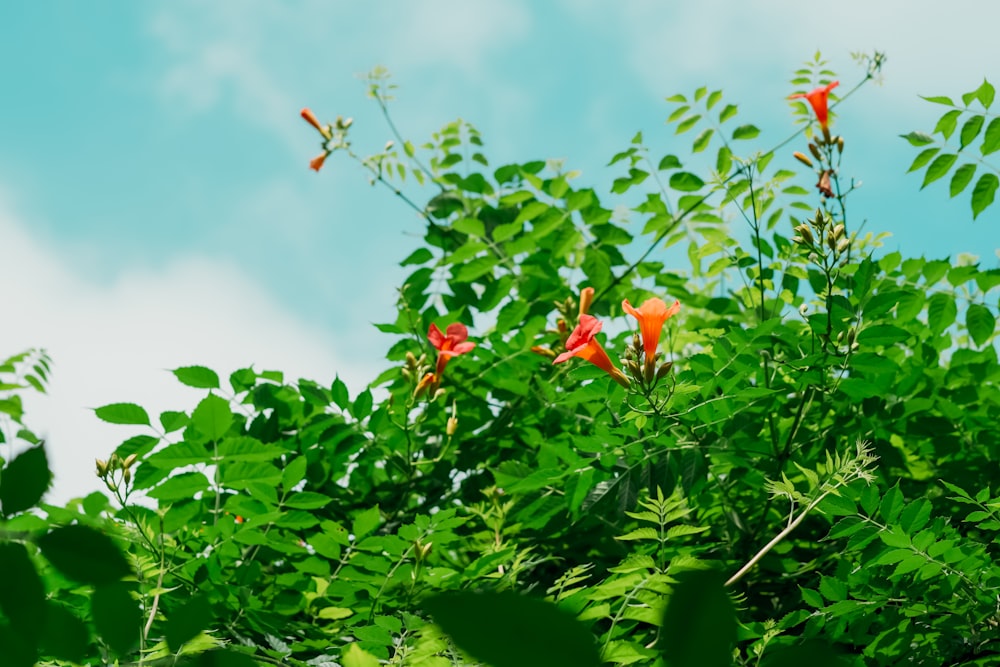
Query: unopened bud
(636, 344)
(422, 386)
(801, 157)
(664, 370)
(561, 325)
(838, 230)
(544, 351)
(842, 246)
(840, 144)
(814, 149)
(830, 241)
(129, 460)
(102, 468)
(451, 427)
(411, 360)
(127, 476)
(806, 234)
(851, 333)
(586, 298)
(388, 145)
(406, 374)
(803, 309)
(826, 134)
(437, 394)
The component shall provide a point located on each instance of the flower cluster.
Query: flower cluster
(451, 343)
(334, 136)
(651, 315)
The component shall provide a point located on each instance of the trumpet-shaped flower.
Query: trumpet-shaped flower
(451, 343)
(817, 99)
(651, 316)
(581, 343)
(317, 162)
(310, 118)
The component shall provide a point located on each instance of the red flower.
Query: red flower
(817, 98)
(449, 344)
(310, 118)
(581, 343)
(651, 315)
(317, 162)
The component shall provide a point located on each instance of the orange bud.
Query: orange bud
(544, 351)
(802, 158)
(586, 298)
(310, 118)
(317, 162)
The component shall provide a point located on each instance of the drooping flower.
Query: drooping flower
(651, 316)
(317, 162)
(310, 118)
(581, 343)
(817, 98)
(449, 344)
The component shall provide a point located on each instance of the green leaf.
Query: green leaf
(123, 413)
(812, 652)
(83, 554)
(65, 636)
(294, 472)
(745, 132)
(366, 522)
(685, 181)
(362, 405)
(985, 93)
(892, 504)
(338, 390)
(982, 194)
(918, 138)
(179, 487)
(307, 500)
(187, 621)
(213, 417)
(225, 658)
(22, 595)
(939, 167)
(355, 656)
(116, 616)
(947, 123)
(701, 142)
(24, 481)
(699, 624)
(941, 311)
(669, 162)
(923, 158)
(940, 99)
(991, 138)
(728, 112)
(882, 334)
(687, 124)
(417, 257)
(970, 130)
(961, 178)
(980, 322)
(198, 377)
(511, 630)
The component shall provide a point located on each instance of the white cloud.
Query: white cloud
(115, 343)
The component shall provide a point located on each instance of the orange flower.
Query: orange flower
(651, 315)
(317, 162)
(817, 98)
(310, 118)
(581, 343)
(449, 344)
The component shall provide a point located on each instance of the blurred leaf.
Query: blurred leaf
(510, 630)
(83, 554)
(699, 623)
(812, 652)
(123, 413)
(116, 616)
(22, 595)
(179, 487)
(355, 656)
(187, 621)
(197, 376)
(918, 138)
(684, 181)
(745, 132)
(65, 636)
(24, 481)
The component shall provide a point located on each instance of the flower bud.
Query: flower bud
(317, 162)
(129, 460)
(814, 149)
(425, 382)
(586, 298)
(844, 243)
(838, 230)
(664, 370)
(102, 468)
(802, 158)
(310, 118)
(840, 144)
(806, 234)
(127, 476)
(388, 145)
(451, 427)
(544, 351)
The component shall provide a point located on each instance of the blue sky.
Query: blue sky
(156, 208)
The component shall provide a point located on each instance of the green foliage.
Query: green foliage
(969, 120)
(796, 470)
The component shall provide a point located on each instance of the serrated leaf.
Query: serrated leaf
(923, 158)
(213, 417)
(983, 193)
(970, 130)
(980, 322)
(947, 123)
(198, 377)
(122, 413)
(941, 311)
(701, 142)
(507, 629)
(938, 168)
(961, 178)
(83, 554)
(685, 181)
(991, 138)
(745, 132)
(24, 481)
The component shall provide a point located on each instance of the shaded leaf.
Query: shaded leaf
(24, 481)
(187, 621)
(83, 554)
(699, 623)
(116, 616)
